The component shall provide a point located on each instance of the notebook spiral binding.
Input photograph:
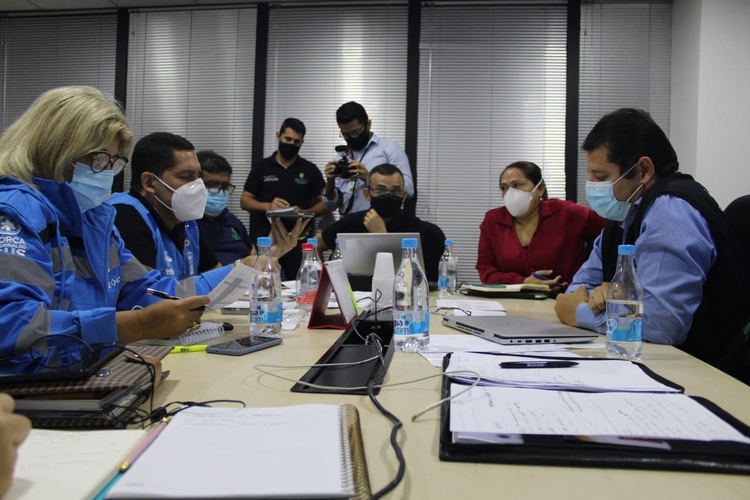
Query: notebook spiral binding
(352, 449)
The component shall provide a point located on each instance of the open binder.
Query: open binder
(683, 455)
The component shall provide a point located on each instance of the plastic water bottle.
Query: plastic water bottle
(308, 278)
(336, 254)
(315, 257)
(266, 310)
(411, 315)
(625, 308)
(448, 271)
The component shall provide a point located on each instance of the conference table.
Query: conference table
(201, 376)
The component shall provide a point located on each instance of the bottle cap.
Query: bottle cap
(313, 241)
(264, 241)
(626, 250)
(307, 247)
(337, 241)
(448, 242)
(409, 243)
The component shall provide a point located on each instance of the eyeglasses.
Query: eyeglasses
(102, 160)
(216, 188)
(396, 194)
(450, 311)
(352, 135)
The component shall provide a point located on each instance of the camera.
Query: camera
(342, 165)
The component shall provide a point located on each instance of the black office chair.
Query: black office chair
(737, 353)
(738, 213)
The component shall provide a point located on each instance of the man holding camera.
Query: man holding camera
(344, 186)
(385, 194)
(284, 180)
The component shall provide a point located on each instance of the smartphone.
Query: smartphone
(245, 345)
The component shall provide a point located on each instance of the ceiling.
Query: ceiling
(49, 5)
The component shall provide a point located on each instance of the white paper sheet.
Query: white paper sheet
(475, 307)
(591, 375)
(232, 287)
(293, 452)
(531, 411)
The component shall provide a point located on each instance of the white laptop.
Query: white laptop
(518, 330)
(359, 250)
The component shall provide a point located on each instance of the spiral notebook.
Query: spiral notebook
(207, 331)
(308, 451)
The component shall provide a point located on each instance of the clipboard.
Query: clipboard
(333, 278)
(685, 455)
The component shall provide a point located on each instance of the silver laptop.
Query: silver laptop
(359, 250)
(518, 330)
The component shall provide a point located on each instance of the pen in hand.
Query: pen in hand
(538, 364)
(540, 277)
(166, 296)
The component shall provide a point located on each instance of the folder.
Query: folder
(680, 455)
(333, 278)
(106, 399)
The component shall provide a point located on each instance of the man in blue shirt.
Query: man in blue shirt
(689, 261)
(366, 150)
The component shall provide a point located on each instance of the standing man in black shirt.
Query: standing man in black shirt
(284, 180)
(386, 193)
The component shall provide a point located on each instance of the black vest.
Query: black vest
(726, 294)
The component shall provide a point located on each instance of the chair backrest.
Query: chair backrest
(738, 213)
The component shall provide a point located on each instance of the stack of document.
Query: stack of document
(472, 307)
(589, 375)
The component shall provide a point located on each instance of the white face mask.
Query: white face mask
(518, 202)
(188, 201)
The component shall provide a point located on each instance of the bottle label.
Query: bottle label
(262, 313)
(412, 323)
(625, 330)
(443, 281)
(306, 298)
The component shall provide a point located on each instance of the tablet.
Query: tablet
(61, 363)
(289, 213)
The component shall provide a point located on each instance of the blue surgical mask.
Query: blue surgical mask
(90, 188)
(216, 203)
(602, 200)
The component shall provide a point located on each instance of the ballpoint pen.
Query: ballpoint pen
(188, 348)
(143, 445)
(538, 364)
(164, 295)
(540, 277)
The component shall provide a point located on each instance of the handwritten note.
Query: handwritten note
(69, 464)
(291, 451)
(532, 411)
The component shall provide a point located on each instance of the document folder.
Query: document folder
(684, 455)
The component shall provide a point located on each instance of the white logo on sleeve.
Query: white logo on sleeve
(9, 242)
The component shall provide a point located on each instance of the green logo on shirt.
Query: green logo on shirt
(301, 179)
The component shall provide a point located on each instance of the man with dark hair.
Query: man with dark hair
(221, 229)
(157, 217)
(386, 194)
(689, 262)
(284, 180)
(365, 150)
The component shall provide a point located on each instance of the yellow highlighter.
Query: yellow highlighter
(188, 348)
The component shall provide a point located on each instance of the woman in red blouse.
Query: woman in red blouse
(533, 235)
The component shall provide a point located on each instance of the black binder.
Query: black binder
(698, 456)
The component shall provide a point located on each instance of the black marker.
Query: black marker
(164, 295)
(538, 364)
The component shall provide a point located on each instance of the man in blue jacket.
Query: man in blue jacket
(157, 217)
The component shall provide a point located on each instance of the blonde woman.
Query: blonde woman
(63, 266)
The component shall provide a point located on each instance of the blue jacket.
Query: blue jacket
(169, 261)
(63, 272)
